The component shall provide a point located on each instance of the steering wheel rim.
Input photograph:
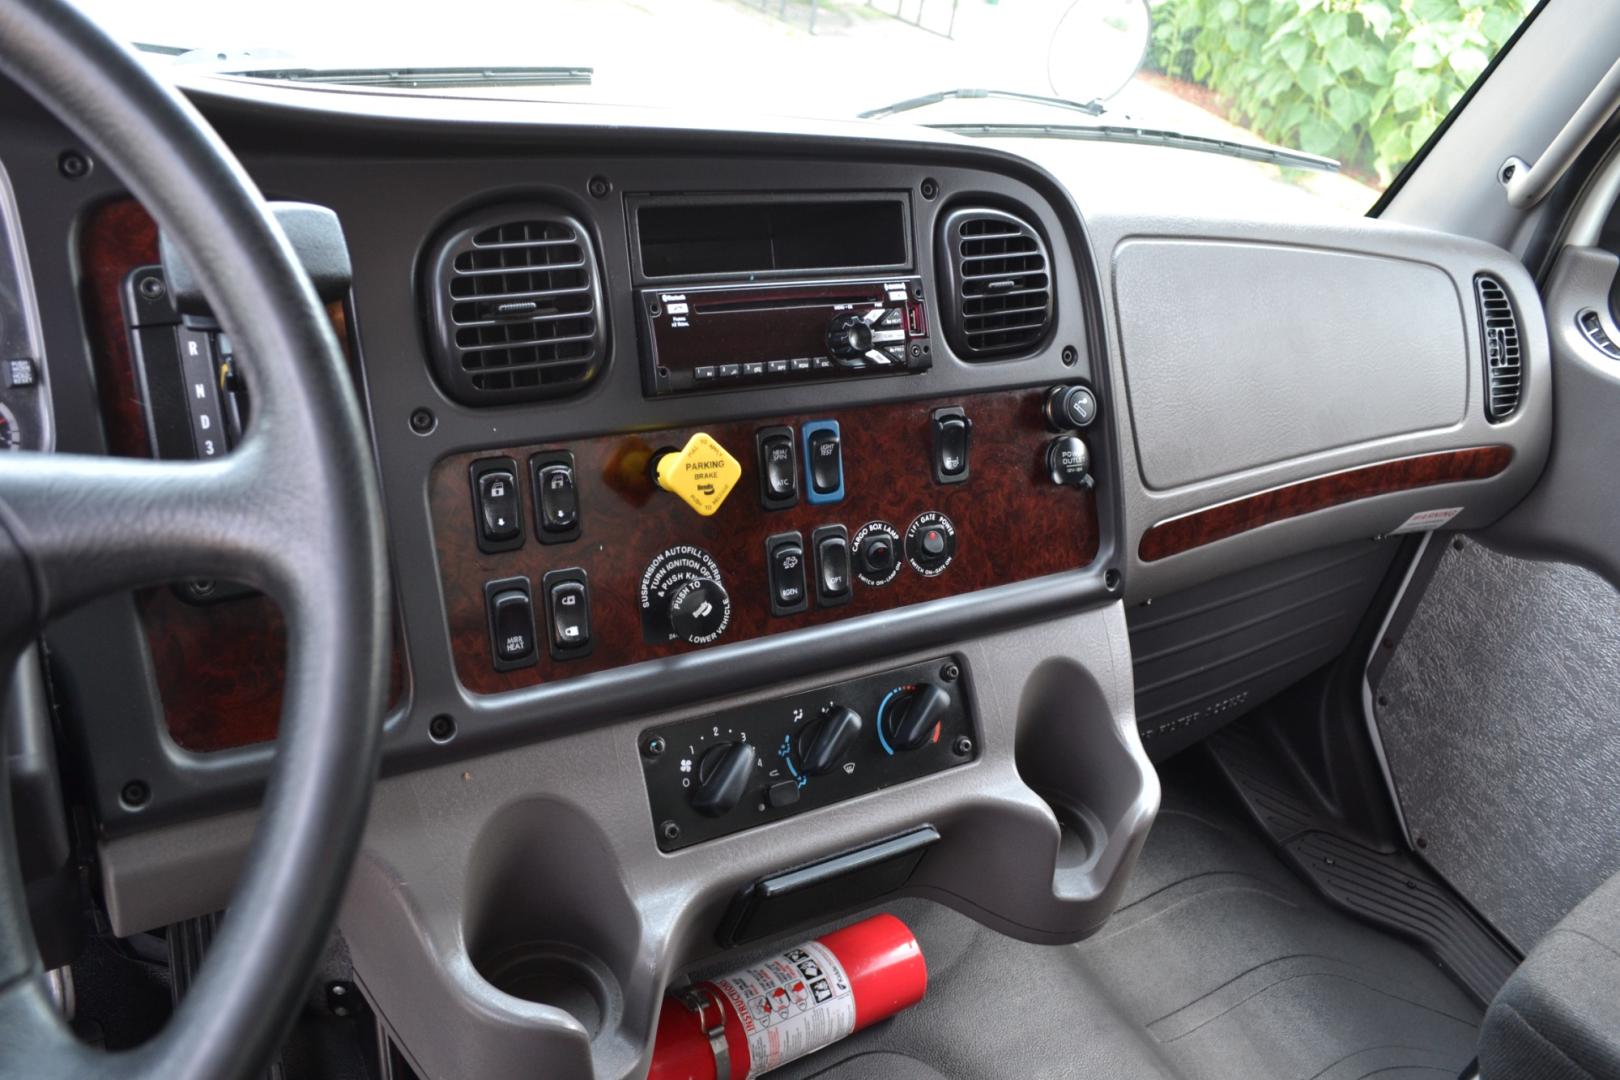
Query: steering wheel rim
(294, 511)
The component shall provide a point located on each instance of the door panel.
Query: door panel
(1499, 714)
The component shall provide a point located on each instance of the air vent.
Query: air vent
(516, 307)
(1503, 359)
(998, 284)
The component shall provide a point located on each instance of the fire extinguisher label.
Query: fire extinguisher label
(792, 1004)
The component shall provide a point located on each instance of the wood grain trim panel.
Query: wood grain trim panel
(219, 668)
(1012, 524)
(1179, 534)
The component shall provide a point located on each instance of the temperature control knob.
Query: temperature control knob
(911, 714)
(722, 778)
(699, 610)
(823, 745)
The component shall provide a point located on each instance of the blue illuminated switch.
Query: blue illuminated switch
(823, 461)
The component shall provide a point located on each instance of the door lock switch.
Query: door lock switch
(568, 611)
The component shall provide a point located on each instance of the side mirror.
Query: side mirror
(1097, 47)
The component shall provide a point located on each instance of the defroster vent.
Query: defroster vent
(998, 280)
(1504, 372)
(515, 306)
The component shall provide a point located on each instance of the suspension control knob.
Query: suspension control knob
(699, 610)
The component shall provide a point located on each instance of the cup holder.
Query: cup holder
(557, 974)
(549, 919)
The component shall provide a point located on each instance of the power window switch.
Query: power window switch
(497, 512)
(568, 612)
(511, 623)
(556, 496)
(498, 507)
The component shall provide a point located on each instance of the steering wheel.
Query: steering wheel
(294, 511)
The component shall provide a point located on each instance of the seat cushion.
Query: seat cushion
(1558, 1016)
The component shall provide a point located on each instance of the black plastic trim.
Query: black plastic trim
(841, 882)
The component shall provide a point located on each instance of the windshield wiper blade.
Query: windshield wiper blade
(1275, 155)
(1090, 108)
(429, 77)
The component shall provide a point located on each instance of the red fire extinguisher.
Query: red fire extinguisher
(790, 1004)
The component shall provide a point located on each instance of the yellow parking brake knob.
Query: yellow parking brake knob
(702, 473)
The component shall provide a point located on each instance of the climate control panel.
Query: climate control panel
(716, 775)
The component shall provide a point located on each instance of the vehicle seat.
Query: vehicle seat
(1558, 1016)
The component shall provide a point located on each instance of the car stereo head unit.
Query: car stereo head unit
(723, 337)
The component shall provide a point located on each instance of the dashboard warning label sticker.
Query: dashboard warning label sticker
(792, 1004)
(1425, 520)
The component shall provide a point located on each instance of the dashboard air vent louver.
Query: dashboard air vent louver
(1503, 358)
(999, 284)
(516, 306)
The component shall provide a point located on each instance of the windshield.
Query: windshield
(1361, 83)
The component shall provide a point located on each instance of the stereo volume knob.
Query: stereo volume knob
(849, 337)
(722, 778)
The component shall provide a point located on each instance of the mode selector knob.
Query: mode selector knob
(722, 778)
(699, 610)
(849, 337)
(823, 745)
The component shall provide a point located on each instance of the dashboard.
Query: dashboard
(760, 502)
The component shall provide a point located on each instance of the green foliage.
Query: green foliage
(1364, 81)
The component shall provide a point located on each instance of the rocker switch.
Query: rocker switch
(511, 625)
(498, 507)
(570, 616)
(832, 565)
(559, 503)
(952, 433)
